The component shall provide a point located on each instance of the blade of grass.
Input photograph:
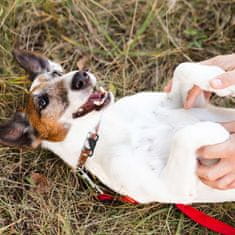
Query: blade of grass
(148, 20)
(150, 216)
(5, 228)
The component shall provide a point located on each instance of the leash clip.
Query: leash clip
(82, 172)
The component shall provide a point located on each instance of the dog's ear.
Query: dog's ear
(35, 64)
(18, 132)
(32, 63)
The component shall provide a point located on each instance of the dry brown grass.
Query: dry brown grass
(134, 46)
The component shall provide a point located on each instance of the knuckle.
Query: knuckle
(210, 176)
(230, 78)
(202, 152)
(221, 185)
(217, 59)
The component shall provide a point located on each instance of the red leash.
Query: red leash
(206, 220)
(194, 214)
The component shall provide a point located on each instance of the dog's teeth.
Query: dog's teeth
(102, 89)
(100, 102)
(97, 103)
(80, 110)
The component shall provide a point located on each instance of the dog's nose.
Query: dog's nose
(80, 80)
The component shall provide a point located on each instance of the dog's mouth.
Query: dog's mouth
(98, 99)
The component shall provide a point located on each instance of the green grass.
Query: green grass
(134, 46)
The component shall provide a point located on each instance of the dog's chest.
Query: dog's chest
(139, 128)
(140, 132)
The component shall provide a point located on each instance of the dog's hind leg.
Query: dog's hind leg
(179, 175)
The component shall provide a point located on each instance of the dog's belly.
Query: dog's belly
(149, 122)
(136, 135)
(135, 140)
(153, 138)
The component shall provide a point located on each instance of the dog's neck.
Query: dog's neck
(70, 148)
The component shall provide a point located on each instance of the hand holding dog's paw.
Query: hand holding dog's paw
(222, 174)
(223, 84)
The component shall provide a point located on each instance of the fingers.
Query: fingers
(232, 185)
(210, 61)
(224, 80)
(207, 95)
(224, 183)
(192, 94)
(191, 97)
(223, 150)
(222, 174)
(229, 126)
(215, 172)
(226, 62)
(168, 86)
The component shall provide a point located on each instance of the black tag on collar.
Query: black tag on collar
(92, 140)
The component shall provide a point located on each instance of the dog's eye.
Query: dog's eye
(43, 101)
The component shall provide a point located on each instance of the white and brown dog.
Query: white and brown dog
(147, 142)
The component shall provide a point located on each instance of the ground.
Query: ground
(132, 46)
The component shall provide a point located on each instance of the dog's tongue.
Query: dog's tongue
(95, 102)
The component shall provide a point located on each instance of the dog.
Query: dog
(142, 146)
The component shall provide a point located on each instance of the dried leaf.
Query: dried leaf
(82, 62)
(41, 182)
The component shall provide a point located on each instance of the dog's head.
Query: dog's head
(54, 97)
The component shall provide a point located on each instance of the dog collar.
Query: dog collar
(89, 146)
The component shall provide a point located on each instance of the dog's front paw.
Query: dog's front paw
(201, 75)
(229, 91)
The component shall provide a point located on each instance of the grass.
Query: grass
(134, 46)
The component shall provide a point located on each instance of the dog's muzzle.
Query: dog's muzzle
(80, 80)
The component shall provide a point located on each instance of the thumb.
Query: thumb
(229, 126)
(223, 150)
(224, 80)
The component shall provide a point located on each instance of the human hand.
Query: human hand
(226, 62)
(221, 175)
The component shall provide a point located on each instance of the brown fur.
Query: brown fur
(46, 123)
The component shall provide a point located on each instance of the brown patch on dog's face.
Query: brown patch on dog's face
(47, 102)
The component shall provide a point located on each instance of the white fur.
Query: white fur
(46, 75)
(148, 142)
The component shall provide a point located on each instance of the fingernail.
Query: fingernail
(216, 83)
